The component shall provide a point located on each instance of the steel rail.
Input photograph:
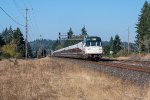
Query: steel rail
(125, 66)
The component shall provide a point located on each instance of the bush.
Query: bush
(17, 55)
(8, 51)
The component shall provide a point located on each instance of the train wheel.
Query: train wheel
(97, 59)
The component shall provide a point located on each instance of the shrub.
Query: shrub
(8, 51)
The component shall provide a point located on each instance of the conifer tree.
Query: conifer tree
(143, 28)
(84, 32)
(111, 44)
(19, 41)
(1, 41)
(30, 54)
(116, 44)
(70, 33)
(70, 36)
(7, 35)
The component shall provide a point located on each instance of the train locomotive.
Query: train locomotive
(89, 48)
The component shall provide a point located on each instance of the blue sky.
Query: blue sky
(103, 18)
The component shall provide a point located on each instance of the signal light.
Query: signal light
(59, 35)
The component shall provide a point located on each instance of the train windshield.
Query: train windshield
(93, 41)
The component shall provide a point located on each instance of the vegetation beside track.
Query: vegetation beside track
(60, 79)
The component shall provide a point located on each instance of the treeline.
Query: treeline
(12, 44)
(143, 29)
(38, 43)
(69, 39)
(41, 47)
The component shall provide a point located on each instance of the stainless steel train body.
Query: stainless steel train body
(89, 48)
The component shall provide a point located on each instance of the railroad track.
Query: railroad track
(140, 66)
(130, 65)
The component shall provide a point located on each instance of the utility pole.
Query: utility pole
(26, 44)
(40, 41)
(41, 45)
(128, 40)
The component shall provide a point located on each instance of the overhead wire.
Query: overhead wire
(30, 36)
(17, 6)
(29, 19)
(11, 17)
(35, 20)
(31, 25)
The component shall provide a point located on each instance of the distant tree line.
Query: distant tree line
(71, 39)
(12, 44)
(41, 47)
(143, 29)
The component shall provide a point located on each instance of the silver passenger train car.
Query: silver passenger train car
(89, 48)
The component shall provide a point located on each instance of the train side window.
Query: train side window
(88, 43)
(93, 43)
(98, 43)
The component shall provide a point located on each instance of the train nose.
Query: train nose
(93, 50)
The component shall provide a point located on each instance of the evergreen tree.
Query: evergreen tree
(143, 28)
(84, 32)
(70, 33)
(70, 36)
(19, 41)
(116, 44)
(13, 41)
(6, 35)
(30, 55)
(111, 44)
(1, 41)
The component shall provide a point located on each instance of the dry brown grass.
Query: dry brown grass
(147, 56)
(49, 79)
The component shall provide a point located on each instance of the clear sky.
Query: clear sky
(103, 18)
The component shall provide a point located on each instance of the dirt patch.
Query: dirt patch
(147, 57)
(122, 58)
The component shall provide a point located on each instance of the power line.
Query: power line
(34, 18)
(128, 39)
(32, 25)
(17, 6)
(11, 17)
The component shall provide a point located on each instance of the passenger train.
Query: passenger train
(88, 48)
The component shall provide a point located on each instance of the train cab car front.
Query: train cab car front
(93, 47)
